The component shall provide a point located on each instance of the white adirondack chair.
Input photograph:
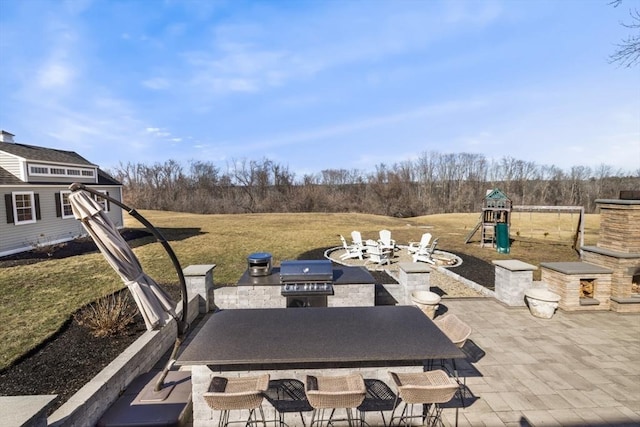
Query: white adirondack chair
(386, 242)
(356, 239)
(421, 245)
(377, 254)
(351, 251)
(425, 255)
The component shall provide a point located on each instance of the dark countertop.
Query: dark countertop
(342, 275)
(317, 337)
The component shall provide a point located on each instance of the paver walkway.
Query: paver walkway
(574, 369)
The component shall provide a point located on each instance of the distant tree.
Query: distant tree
(628, 52)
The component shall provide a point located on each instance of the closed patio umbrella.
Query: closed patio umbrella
(156, 306)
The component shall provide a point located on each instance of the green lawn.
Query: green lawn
(36, 300)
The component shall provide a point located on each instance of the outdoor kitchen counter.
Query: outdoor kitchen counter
(334, 337)
(341, 276)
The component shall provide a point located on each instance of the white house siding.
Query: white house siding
(50, 229)
(12, 165)
(56, 179)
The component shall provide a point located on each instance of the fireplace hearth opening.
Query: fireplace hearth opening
(587, 288)
(635, 285)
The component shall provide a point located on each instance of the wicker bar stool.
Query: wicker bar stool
(458, 332)
(228, 394)
(425, 388)
(334, 392)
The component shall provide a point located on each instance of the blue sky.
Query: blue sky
(319, 85)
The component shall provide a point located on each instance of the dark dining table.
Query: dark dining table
(317, 337)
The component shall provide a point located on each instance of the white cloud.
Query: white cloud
(54, 75)
(157, 83)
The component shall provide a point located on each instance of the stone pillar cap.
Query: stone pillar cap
(198, 269)
(514, 265)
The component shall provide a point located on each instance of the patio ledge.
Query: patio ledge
(28, 411)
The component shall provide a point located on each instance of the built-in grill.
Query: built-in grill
(306, 283)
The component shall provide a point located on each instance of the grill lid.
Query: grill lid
(306, 271)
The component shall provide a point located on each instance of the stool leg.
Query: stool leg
(313, 418)
(224, 418)
(434, 418)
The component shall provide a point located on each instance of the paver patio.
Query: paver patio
(574, 369)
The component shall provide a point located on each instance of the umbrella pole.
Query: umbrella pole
(183, 324)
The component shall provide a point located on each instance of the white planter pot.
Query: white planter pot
(542, 303)
(427, 301)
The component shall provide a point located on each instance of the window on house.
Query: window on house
(102, 201)
(57, 171)
(65, 205)
(43, 170)
(24, 207)
(39, 170)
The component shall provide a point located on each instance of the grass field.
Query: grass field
(36, 300)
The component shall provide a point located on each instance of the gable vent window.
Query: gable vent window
(23, 207)
(42, 170)
(39, 170)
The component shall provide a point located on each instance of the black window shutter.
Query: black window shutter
(108, 204)
(8, 202)
(36, 197)
(58, 205)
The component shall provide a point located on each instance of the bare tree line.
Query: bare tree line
(432, 183)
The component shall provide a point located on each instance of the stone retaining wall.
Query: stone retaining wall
(88, 404)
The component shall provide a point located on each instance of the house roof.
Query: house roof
(49, 155)
(7, 178)
(106, 179)
(31, 152)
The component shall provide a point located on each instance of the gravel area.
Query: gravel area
(468, 267)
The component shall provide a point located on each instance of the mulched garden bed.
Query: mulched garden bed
(73, 356)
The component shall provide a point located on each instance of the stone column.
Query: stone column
(413, 276)
(199, 279)
(513, 279)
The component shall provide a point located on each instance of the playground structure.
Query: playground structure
(497, 211)
(607, 277)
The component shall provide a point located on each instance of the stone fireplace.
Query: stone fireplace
(581, 286)
(618, 249)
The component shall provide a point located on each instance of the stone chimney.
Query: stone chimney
(6, 136)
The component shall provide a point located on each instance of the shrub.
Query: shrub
(108, 316)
